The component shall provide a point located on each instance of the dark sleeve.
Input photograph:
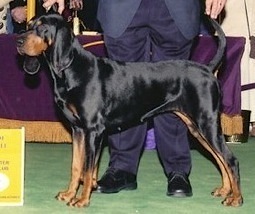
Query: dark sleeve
(88, 15)
(17, 3)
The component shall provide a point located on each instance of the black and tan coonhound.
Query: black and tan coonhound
(99, 95)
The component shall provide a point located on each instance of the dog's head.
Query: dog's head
(49, 34)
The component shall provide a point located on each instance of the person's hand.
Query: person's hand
(76, 4)
(48, 3)
(214, 7)
(19, 14)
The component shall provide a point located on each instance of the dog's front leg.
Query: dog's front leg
(93, 148)
(78, 136)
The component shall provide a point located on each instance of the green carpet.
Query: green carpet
(47, 171)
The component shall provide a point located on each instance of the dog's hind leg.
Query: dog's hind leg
(78, 155)
(214, 143)
(230, 168)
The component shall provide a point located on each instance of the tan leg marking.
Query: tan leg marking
(95, 176)
(77, 168)
(84, 199)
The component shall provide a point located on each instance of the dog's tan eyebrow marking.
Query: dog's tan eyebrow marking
(30, 22)
(38, 23)
(50, 41)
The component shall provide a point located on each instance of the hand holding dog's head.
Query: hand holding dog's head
(45, 36)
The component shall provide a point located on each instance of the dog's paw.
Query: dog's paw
(221, 192)
(66, 196)
(233, 201)
(79, 202)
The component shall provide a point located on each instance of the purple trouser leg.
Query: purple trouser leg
(151, 36)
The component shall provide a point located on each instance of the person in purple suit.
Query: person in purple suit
(150, 30)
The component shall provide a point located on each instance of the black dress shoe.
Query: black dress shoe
(115, 180)
(178, 185)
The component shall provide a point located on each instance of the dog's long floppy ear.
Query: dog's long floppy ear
(63, 54)
(31, 64)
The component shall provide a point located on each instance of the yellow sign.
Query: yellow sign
(12, 155)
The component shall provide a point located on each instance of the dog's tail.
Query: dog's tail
(215, 62)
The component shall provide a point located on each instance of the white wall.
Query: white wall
(235, 24)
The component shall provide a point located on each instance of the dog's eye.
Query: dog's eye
(42, 30)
